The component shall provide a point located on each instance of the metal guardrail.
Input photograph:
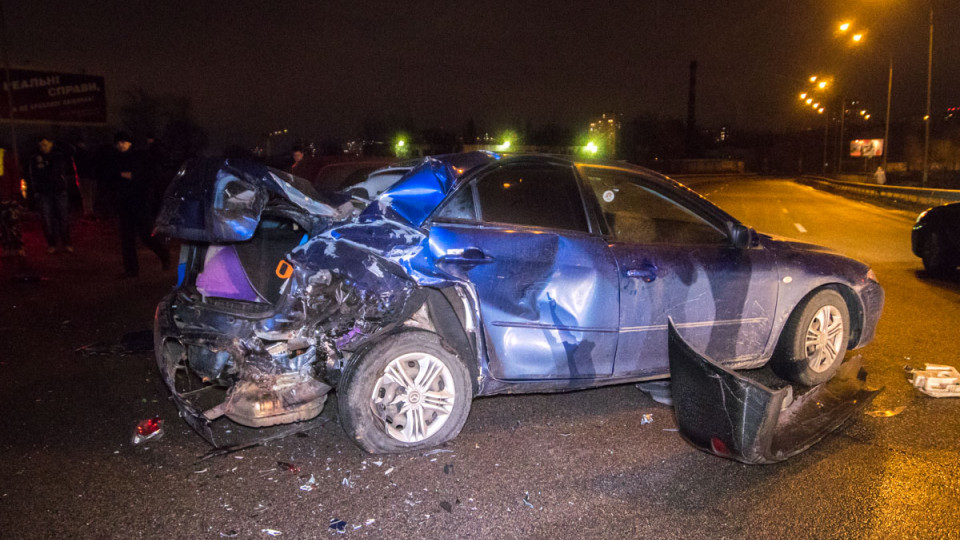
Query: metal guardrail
(908, 198)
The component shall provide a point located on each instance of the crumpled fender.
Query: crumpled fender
(724, 413)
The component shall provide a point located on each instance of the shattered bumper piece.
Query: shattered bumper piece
(935, 380)
(261, 408)
(729, 415)
(152, 428)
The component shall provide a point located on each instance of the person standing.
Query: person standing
(48, 174)
(86, 179)
(131, 190)
(11, 239)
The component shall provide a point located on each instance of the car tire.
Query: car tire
(386, 406)
(814, 340)
(935, 255)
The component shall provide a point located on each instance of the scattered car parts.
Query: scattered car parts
(935, 380)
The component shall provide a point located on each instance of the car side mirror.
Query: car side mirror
(741, 236)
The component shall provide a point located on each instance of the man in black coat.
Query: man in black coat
(131, 190)
(49, 175)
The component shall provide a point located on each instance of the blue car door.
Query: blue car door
(676, 260)
(546, 279)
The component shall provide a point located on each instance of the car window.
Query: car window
(532, 195)
(640, 215)
(460, 206)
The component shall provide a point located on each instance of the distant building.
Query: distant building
(605, 132)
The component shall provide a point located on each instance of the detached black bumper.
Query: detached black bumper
(727, 414)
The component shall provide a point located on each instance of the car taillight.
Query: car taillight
(151, 428)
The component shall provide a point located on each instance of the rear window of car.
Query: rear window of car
(536, 195)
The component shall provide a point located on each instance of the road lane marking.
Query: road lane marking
(799, 227)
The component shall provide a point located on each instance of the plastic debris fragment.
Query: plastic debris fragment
(271, 532)
(887, 413)
(131, 343)
(229, 534)
(659, 391)
(437, 451)
(388, 471)
(646, 419)
(338, 525)
(526, 499)
(289, 467)
(935, 380)
(148, 429)
(310, 485)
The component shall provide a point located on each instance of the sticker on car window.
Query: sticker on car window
(608, 195)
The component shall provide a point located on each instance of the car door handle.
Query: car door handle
(466, 256)
(646, 271)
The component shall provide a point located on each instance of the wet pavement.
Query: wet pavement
(576, 465)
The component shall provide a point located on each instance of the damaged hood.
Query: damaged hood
(221, 200)
(412, 199)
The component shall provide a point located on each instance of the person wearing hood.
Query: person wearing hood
(131, 190)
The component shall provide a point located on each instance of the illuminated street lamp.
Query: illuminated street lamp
(803, 95)
(822, 84)
(809, 101)
(400, 148)
(591, 148)
(844, 27)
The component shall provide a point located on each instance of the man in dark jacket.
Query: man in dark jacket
(131, 189)
(11, 239)
(49, 176)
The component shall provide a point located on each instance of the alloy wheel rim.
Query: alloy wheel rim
(824, 339)
(414, 397)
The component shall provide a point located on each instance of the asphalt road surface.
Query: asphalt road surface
(576, 465)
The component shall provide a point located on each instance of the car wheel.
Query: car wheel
(814, 340)
(936, 259)
(405, 393)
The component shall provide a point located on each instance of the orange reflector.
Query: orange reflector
(284, 270)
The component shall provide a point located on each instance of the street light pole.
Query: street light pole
(826, 127)
(843, 116)
(927, 119)
(886, 129)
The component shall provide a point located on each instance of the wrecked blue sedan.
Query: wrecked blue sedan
(474, 275)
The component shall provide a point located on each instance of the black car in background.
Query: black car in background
(936, 238)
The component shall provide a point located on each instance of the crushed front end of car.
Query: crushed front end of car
(277, 289)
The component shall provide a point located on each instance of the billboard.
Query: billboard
(866, 148)
(50, 96)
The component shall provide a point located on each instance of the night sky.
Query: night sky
(322, 68)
